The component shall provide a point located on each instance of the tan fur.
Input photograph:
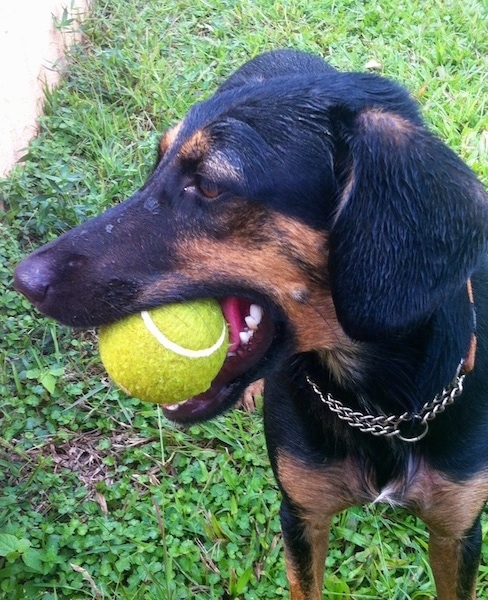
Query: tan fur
(345, 362)
(169, 138)
(251, 394)
(386, 124)
(447, 507)
(445, 555)
(320, 491)
(196, 147)
(317, 534)
(345, 194)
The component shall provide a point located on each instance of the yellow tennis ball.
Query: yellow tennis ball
(168, 354)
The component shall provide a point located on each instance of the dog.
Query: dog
(347, 246)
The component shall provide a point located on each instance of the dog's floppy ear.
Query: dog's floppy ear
(410, 227)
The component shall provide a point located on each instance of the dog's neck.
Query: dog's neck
(405, 371)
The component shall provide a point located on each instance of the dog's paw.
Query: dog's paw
(252, 395)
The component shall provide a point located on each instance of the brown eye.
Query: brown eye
(209, 188)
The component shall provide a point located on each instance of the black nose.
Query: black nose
(32, 277)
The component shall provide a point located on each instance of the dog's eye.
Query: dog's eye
(208, 188)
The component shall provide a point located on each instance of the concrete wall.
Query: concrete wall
(30, 49)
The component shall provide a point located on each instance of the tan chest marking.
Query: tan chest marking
(447, 507)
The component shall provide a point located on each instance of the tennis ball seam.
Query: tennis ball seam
(176, 348)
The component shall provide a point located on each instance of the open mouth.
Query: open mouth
(251, 333)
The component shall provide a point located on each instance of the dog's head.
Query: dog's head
(319, 196)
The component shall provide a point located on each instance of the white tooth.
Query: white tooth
(256, 312)
(245, 336)
(251, 323)
(174, 406)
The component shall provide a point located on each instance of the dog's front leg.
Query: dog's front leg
(306, 539)
(452, 511)
(454, 563)
(312, 495)
(315, 484)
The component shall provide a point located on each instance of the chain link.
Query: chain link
(390, 426)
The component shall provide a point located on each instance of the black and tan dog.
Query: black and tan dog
(347, 245)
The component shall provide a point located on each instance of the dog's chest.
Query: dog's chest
(327, 489)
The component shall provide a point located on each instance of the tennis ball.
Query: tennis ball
(167, 354)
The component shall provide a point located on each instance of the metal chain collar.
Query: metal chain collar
(390, 426)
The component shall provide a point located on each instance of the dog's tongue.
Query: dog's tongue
(233, 310)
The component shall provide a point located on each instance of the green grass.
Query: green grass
(100, 496)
